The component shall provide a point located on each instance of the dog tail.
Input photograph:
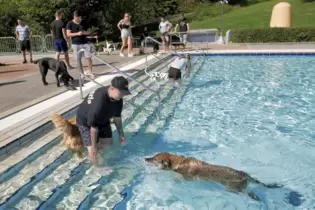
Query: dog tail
(64, 125)
(256, 181)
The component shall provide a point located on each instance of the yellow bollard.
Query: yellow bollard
(281, 16)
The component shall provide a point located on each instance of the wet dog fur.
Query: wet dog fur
(60, 69)
(71, 138)
(192, 168)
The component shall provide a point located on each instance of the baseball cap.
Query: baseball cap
(121, 83)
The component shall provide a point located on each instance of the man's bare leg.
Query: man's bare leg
(68, 60)
(103, 144)
(57, 55)
(90, 65)
(24, 55)
(31, 56)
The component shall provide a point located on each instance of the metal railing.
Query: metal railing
(79, 56)
(177, 34)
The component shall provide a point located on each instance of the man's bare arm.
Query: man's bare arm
(69, 34)
(118, 123)
(93, 136)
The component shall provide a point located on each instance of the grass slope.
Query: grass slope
(258, 16)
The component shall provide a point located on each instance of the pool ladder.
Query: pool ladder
(80, 67)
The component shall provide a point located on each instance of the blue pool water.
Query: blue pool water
(253, 113)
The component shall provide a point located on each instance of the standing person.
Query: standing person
(177, 66)
(58, 33)
(79, 41)
(143, 36)
(23, 34)
(124, 25)
(165, 27)
(183, 29)
(95, 112)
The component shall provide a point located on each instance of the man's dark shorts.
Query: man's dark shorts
(25, 45)
(103, 132)
(174, 73)
(60, 46)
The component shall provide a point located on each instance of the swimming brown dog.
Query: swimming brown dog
(233, 180)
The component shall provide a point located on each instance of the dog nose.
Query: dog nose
(148, 159)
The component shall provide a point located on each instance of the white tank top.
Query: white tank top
(163, 26)
(179, 63)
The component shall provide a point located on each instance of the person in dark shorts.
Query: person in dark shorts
(94, 114)
(176, 66)
(58, 33)
(183, 29)
(143, 36)
(23, 34)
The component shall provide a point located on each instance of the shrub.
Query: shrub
(273, 35)
(305, 1)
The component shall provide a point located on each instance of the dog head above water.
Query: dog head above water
(161, 160)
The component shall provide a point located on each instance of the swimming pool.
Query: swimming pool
(252, 113)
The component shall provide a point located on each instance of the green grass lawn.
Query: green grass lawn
(258, 16)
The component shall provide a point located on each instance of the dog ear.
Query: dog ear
(166, 163)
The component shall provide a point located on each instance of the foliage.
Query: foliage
(101, 16)
(273, 35)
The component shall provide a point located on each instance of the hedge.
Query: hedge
(273, 35)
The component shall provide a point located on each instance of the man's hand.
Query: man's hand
(80, 33)
(92, 154)
(122, 139)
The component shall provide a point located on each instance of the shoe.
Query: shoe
(121, 55)
(24, 61)
(130, 55)
(31, 60)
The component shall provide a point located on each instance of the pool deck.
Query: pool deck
(26, 78)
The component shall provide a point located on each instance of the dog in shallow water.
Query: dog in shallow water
(71, 135)
(60, 69)
(190, 168)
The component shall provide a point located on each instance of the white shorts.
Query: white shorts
(77, 47)
(183, 38)
(125, 33)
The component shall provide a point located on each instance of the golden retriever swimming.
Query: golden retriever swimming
(233, 180)
(71, 134)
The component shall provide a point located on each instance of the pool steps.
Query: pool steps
(12, 138)
(82, 170)
(57, 135)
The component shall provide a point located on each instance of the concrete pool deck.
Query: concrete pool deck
(20, 89)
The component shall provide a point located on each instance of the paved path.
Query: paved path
(21, 85)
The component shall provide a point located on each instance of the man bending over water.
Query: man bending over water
(177, 66)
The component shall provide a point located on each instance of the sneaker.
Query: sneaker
(130, 55)
(24, 61)
(121, 55)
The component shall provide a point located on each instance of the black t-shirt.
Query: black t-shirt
(183, 25)
(144, 35)
(97, 108)
(74, 28)
(56, 27)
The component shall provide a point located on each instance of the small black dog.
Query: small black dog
(156, 48)
(59, 67)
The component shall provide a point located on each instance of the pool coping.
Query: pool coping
(40, 122)
(253, 52)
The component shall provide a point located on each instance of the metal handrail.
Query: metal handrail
(156, 41)
(115, 68)
(175, 33)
